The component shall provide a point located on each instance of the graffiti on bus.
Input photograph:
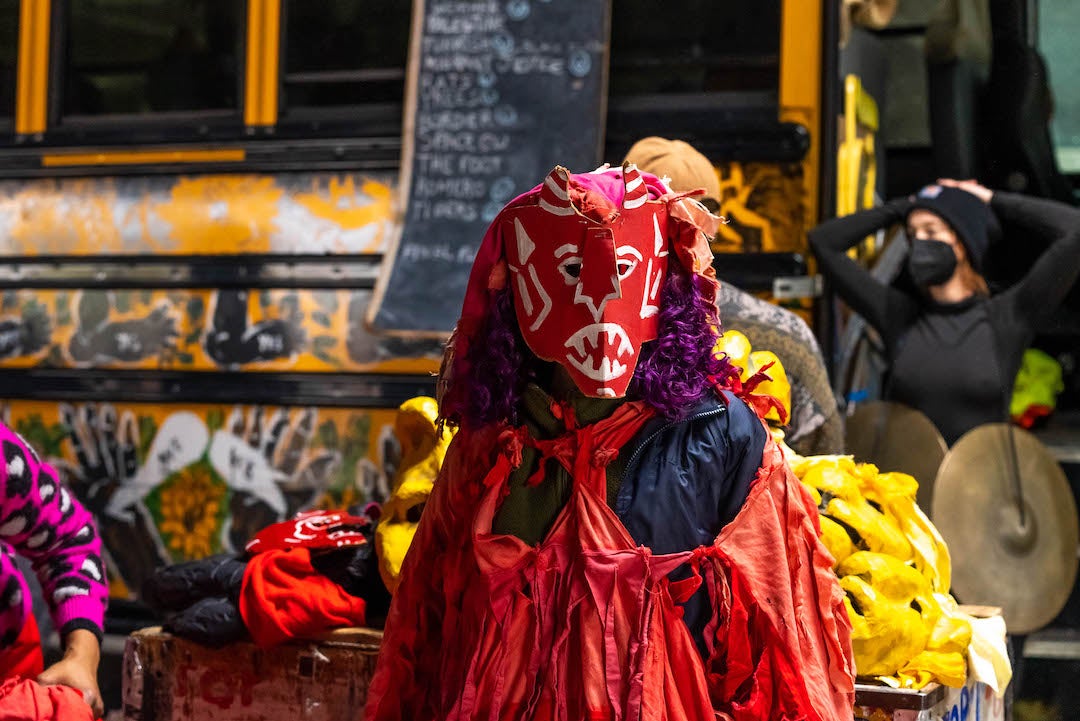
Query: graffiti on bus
(286, 213)
(176, 483)
(760, 202)
(202, 330)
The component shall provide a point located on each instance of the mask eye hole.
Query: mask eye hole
(571, 270)
(413, 514)
(625, 267)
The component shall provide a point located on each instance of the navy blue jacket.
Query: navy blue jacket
(685, 480)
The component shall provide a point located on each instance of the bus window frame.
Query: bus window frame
(7, 122)
(375, 120)
(118, 128)
(331, 135)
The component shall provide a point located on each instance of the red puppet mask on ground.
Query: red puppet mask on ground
(587, 284)
(314, 530)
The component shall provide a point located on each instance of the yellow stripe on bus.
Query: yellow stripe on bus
(261, 73)
(142, 157)
(252, 77)
(33, 71)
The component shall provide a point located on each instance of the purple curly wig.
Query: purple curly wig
(674, 372)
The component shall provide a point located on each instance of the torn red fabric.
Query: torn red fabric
(762, 403)
(586, 625)
(283, 598)
(27, 700)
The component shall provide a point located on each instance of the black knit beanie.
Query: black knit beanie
(968, 216)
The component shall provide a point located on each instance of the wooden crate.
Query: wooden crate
(167, 678)
(973, 702)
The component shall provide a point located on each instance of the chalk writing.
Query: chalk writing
(503, 92)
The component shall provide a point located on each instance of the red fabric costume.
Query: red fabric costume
(27, 700)
(584, 626)
(23, 658)
(587, 624)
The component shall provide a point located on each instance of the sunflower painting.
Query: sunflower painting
(192, 503)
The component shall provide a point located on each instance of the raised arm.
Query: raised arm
(1045, 285)
(883, 307)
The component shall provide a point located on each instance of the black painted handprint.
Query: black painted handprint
(97, 339)
(232, 342)
(27, 334)
(106, 478)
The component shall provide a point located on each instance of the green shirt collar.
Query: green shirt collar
(536, 410)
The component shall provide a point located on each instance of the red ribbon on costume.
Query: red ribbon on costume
(762, 403)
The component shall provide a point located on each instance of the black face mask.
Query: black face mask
(931, 262)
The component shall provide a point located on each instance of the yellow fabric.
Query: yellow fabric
(423, 448)
(895, 568)
(895, 493)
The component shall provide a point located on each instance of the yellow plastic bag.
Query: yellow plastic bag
(900, 628)
(930, 666)
(836, 539)
(837, 484)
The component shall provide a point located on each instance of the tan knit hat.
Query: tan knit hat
(678, 160)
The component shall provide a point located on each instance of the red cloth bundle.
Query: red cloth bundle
(27, 700)
(283, 597)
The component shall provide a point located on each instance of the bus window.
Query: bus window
(694, 46)
(146, 57)
(1057, 23)
(343, 53)
(9, 44)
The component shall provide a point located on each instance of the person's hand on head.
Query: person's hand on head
(78, 668)
(974, 187)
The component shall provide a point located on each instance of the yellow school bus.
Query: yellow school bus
(195, 196)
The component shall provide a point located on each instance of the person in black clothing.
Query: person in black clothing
(954, 349)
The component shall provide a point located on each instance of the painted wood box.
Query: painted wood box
(167, 678)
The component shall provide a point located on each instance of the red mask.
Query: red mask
(313, 530)
(587, 291)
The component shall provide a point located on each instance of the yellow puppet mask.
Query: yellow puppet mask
(423, 448)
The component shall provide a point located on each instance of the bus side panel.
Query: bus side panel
(283, 330)
(283, 213)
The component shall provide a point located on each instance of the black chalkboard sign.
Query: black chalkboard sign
(498, 93)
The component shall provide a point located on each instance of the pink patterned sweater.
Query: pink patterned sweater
(42, 521)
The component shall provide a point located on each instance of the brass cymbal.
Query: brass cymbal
(895, 437)
(1026, 563)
